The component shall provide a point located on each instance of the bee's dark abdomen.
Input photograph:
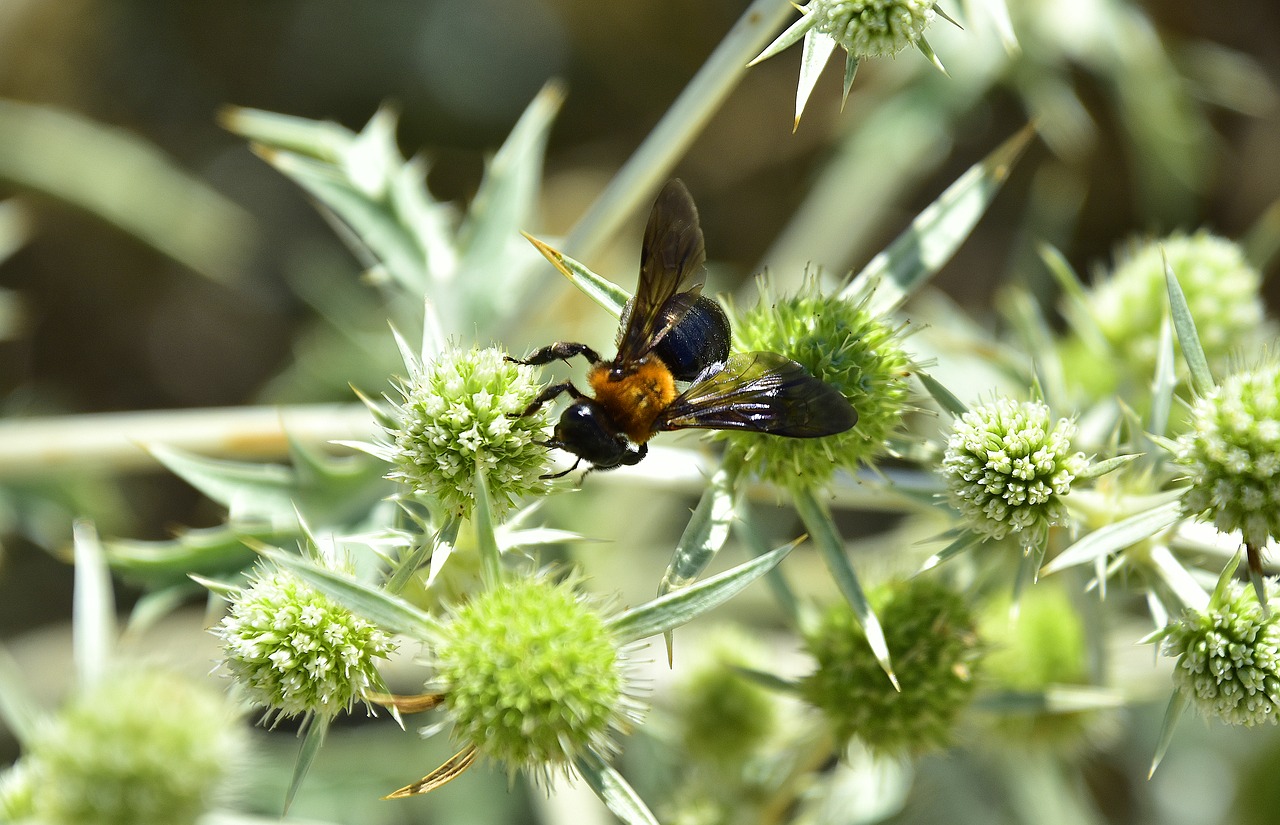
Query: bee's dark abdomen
(700, 339)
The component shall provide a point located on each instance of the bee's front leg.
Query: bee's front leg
(559, 351)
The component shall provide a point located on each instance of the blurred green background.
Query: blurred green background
(157, 263)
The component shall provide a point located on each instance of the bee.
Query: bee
(669, 333)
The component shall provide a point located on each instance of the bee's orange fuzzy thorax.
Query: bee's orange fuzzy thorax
(635, 401)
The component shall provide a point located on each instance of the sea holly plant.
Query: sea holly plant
(862, 28)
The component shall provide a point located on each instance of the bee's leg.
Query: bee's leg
(632, 457)
(559, 351)
(563, 473)
(550, 393)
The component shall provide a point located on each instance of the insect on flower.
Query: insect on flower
(670, 332)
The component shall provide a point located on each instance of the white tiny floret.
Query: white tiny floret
(1229, 657)
(873, 28)
(295, 651)
(461, 413)
(1007, 467)
(1231, 453)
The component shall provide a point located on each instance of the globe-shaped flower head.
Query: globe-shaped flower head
(1222, 291)
(1007, 467)
(532, 677)
(460, 413)
(1231, 453)
(930, 633)
(839, 342)
(872, 28)
(141, 747)
(295, 651)
(1229, 656)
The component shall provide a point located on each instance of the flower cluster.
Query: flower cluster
(872, 28)
(142, 747)
(1231, 453)
(931, 636)
(1229, 656)
(1007, 467)
(1221, 288)
(460, 414)
(532, 677)
(839, 342)
(295, 651)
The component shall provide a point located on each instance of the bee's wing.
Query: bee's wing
(763, 392)
(672, 254)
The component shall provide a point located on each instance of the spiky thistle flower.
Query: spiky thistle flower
(725, 716)
(139, 747)
(1229, 655)
(1231, 453)
(1222, 289)
(839, 342)
(1007, 467)
(872, 28)
(532, 678)
(930, 633)
(294, 651)
(461, 413)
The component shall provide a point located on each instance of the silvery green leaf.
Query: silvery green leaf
(93, 613)
(1173, 713)
(1198, 365)
(788, 38)
(961, 543)
(613, 790)
(998, 12)
(936, 233)
(155, 605)
(437, 550)
(118, 177)
(313, 736)
(372, 223)
(817, 51)
(371, 157)
(925, 49)
(601, 290)
(378, 606)
(491, 255)
(826, 536)
(945, 398)
(1109, 465)
(850, 72)
(319, 139)
(703, 536)
(210, 551)
(326, 490)
(1118, 535)
(1074, 295)
(674, 609)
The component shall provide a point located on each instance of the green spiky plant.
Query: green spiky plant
(425, 540)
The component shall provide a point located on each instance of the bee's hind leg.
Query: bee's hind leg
(559, 351)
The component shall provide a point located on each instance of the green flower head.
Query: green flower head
(1221, 287)
(1229, 656)
(930, 633)
(460, 413)
(1007, 467)
(872, 28)
(1231, 453)
(838, 342)
(142, 747)
(293, 650)
(726, 717)
(532, 677)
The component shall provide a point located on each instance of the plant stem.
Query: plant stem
(98, 442)
(640, 176)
